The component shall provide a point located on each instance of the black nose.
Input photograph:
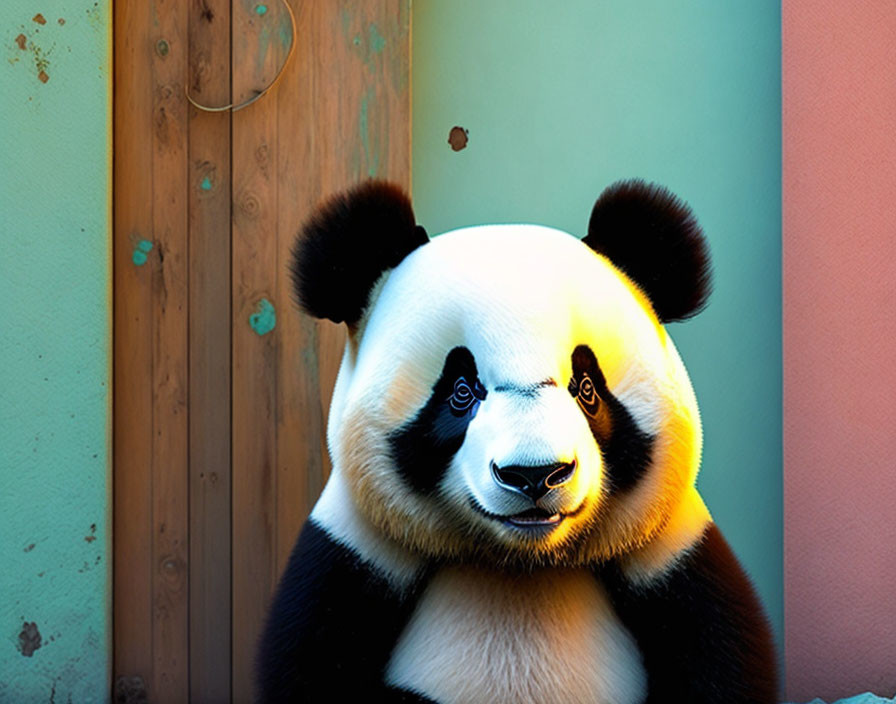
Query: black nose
(533, 481)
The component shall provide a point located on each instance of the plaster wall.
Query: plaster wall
(839, 65)
(55, 334)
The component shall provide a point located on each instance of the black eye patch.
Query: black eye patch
(625, 448)
(467, 396)
(423, 447)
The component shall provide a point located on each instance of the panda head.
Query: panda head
(508, 393)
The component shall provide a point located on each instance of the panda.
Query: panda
(511, 515)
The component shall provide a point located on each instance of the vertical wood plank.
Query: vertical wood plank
(209, 341)
(150, 430)
(132, 361)
(300, 464)
(340, 114)
(259, 47)
(170, 502)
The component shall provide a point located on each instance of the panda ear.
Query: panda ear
(654, 238)
(346, 245)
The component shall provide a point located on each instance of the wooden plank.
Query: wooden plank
(341, 113)
(258, 50)
(358, 113)
(209, 341)
(170, 503)
(300, 463)
(132, 354)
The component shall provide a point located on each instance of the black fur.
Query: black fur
(654, 238)
(424, 447)
(347, 243)
(701, 629)
(626, 450)
(331, 628)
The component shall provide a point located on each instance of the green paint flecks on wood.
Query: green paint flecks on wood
(285, 34)
(377, 40)
(261, 10)
(143, 248)
(357, 40)
(206, 184)
(372, 156)
(264, 319)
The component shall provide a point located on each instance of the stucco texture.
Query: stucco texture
(560, 100)
(839, 347)
(55, 316)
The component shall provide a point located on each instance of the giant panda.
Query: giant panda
(511, 515)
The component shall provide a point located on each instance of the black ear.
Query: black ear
(653, 236)
(347, 243)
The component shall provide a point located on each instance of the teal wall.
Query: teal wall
(55, 318)
(562, 98)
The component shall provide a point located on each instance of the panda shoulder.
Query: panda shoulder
(338, 516)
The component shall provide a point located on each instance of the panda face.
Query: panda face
(510, 395)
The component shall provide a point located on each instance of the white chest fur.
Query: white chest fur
(488, 637)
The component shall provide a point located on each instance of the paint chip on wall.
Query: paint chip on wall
(29, 639)
(458, 138)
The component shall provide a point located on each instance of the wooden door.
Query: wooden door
(221, 385)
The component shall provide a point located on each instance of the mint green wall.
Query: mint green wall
(55, 334)
(562, 98)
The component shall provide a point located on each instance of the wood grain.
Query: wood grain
(132, 361)
(150, 361)
(258, 50)
(170, 501)
(209, 222)
(220, 419)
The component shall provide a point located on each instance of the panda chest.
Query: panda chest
(547, 637)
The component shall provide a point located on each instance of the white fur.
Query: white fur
(337, 514)
(545, 638)
(520, 297)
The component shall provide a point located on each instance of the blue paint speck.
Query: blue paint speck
(206, 184)
(264, 318)
(143, 248)
(261, 10)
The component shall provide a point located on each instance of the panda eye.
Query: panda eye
(585, 394)
(466, 396)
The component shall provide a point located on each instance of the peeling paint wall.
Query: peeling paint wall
(55, 318)
(525, 110)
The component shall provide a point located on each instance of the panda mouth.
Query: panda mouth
(534, 517)
(530, 519)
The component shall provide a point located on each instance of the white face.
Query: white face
(510, 395)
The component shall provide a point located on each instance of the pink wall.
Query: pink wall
(839, 183)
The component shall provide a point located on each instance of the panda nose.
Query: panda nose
(533, 481)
